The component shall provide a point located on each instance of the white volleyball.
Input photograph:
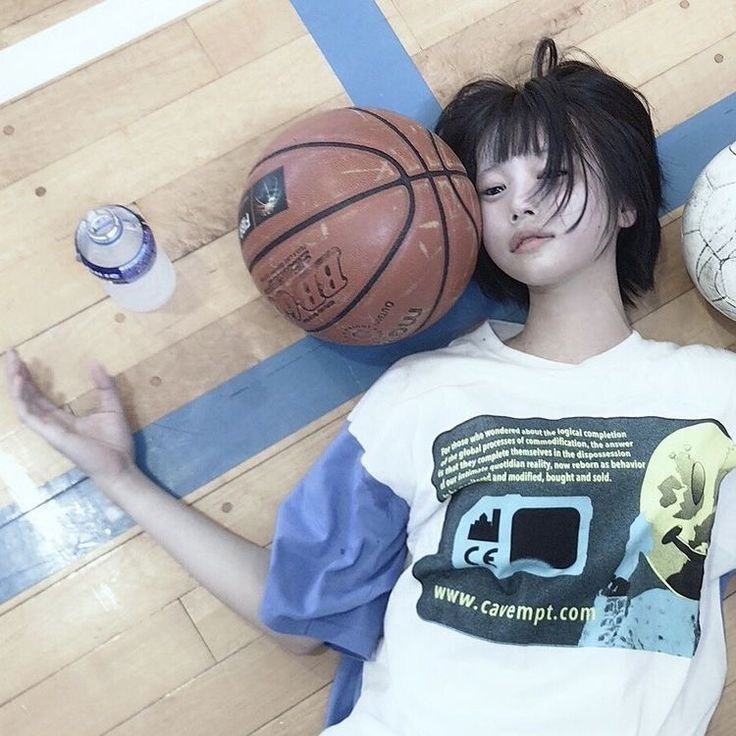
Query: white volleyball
(709, 232)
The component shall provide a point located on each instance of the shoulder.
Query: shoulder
(689, 357)
(697, 374)
(413, 375)
(384, 420)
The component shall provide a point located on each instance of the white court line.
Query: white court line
(84, 37)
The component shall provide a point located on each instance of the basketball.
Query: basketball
(360, 226)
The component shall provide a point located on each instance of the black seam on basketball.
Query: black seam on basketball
(400, 133)
(476, 227)
(377, 271)
(478, 234)
(443, 166)
(331, 210)
(304, 224)
(446, 240)
(332, 144)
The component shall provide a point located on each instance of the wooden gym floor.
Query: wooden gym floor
(100, 632)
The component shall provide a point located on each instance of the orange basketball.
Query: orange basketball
(360, 225)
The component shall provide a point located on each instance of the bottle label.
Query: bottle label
(131, 271)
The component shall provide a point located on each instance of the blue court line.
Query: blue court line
(231, 423)
(369, 60)
(686, 149)
(280, 395)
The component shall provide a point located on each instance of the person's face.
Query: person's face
(511, 213)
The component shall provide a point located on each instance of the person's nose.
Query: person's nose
(522, 204)
(521, 212)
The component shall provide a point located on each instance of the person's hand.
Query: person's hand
(100, 444)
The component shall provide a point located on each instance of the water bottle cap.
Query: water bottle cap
(103, 225)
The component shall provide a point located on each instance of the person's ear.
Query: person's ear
(626, 215)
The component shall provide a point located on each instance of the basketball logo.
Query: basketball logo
(267, 194)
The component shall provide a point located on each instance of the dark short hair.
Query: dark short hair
(584, 115)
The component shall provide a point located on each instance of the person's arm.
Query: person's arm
(229, 566)
(100, 444)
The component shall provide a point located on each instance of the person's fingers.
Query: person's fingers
(14, 366)
(23, 371)
(100, 376)
(19, 385)
(53, 423)
(35, 399)
(108, 392)
(29, 400)
(12, 362)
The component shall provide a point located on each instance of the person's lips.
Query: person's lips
(528, 239)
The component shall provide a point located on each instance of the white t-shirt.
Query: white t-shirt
(559, 519)
(545, 535)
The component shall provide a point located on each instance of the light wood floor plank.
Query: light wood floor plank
(431, 21)
(304, 719)
(729, 616)
(235, 696)
(234, 32)
(502, 43)
(67, 621)
(75, 111)
(725, 715)
(399, 26)
(41, 20)
(688, 319)
(139, 667)
(12, 11)
(26, 462)
(674, 34)
(223, 630)
(692, 85)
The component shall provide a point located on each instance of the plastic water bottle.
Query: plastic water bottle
(117, 246)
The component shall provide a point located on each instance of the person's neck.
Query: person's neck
(567, 326)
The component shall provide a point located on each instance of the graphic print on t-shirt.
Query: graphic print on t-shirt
(578, 531)
(508, 534)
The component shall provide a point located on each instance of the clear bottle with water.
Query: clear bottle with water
(117, 246)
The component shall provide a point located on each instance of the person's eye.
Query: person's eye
(492, 191)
